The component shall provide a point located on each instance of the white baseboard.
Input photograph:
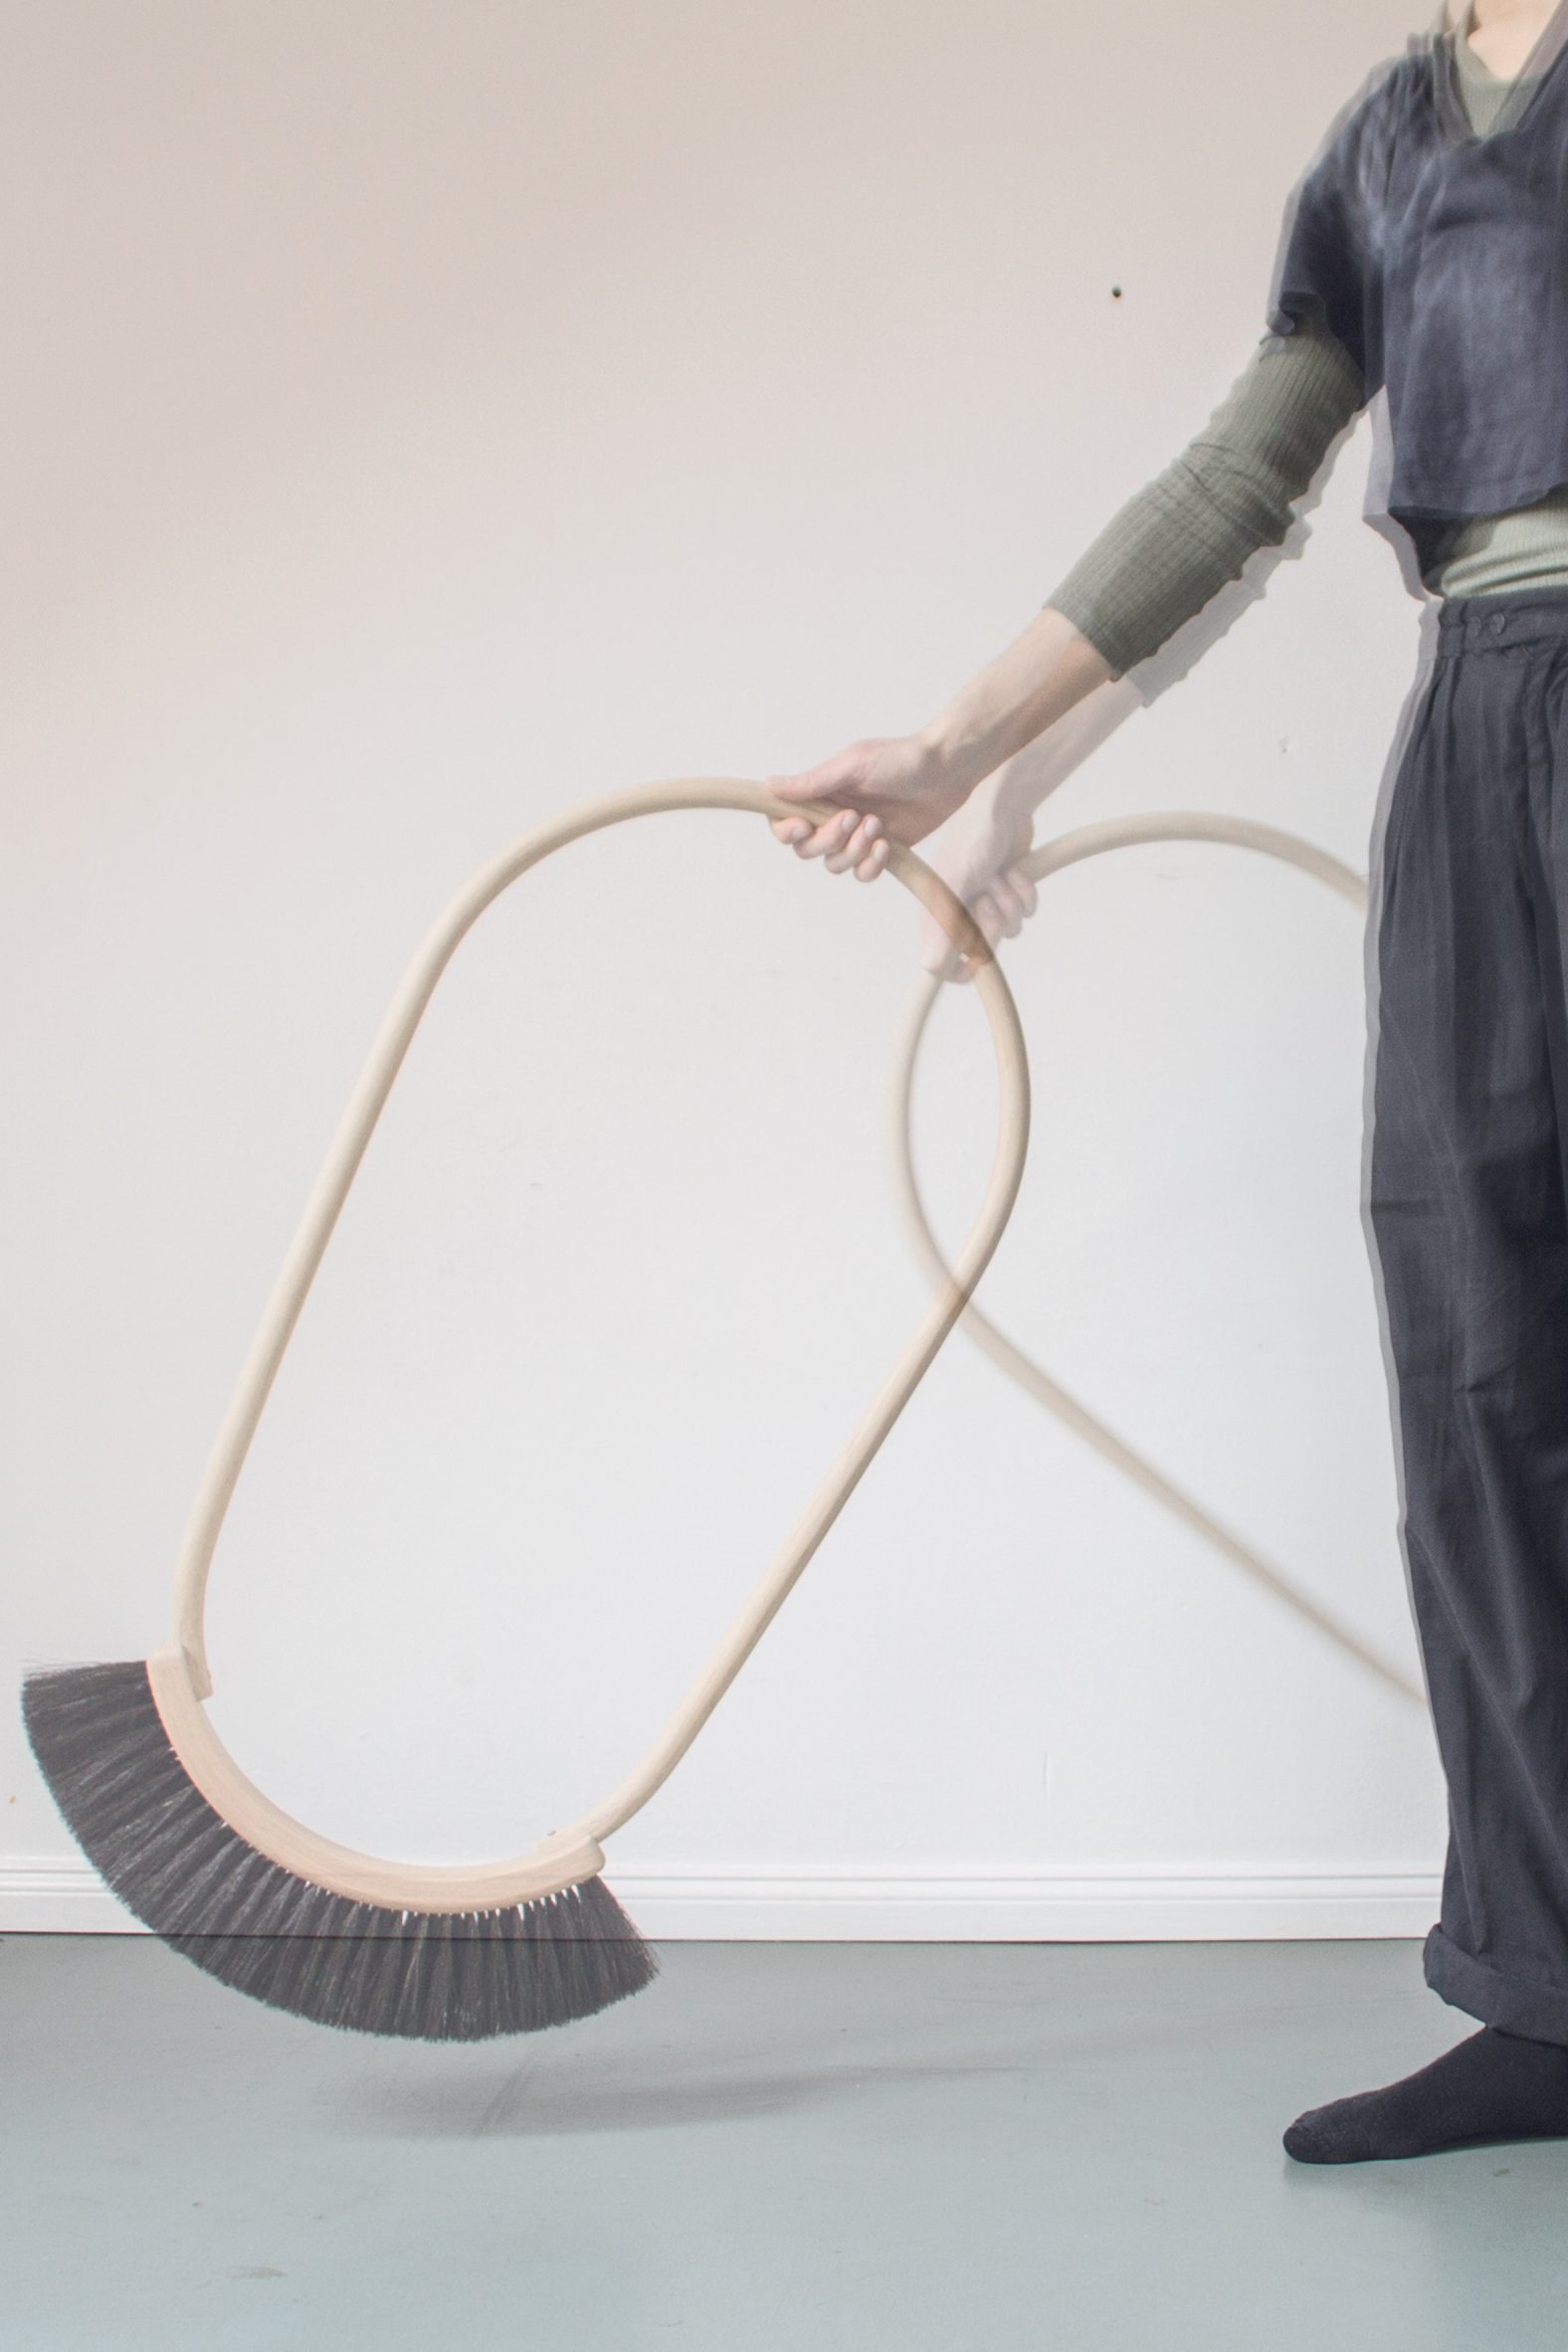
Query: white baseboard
(52, 1895)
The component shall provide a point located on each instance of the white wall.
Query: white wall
(423, 417)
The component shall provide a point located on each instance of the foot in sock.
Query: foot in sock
(1493, 2086)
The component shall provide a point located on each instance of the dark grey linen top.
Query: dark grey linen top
(1172, 547)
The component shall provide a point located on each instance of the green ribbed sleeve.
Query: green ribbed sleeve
(1175, 543)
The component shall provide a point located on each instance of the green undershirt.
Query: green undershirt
(1177, 542)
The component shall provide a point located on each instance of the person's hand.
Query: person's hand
(887, 789)
(982, 863)
(981, 857)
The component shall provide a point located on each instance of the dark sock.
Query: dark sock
(1493, 2086)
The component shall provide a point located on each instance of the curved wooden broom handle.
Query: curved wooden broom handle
(1052, 857)
(181, 1676)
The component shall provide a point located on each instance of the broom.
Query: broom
(203, 1858)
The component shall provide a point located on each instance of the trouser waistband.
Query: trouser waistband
(1519, 615)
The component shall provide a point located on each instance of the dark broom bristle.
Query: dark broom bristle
(430, 1976)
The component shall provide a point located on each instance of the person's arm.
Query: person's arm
(1176, 566)
(1163, 556)
(1174, 549)
(1179, 541)
(901, 788)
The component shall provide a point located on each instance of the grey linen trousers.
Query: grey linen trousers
(1465, 1203)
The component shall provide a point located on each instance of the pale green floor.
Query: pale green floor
(803, 2145)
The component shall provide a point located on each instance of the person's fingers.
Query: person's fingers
(830, 835)
(873, 862)
(856, 846)
(1024, 883)
(935, 948)
(942, 954)
(836, 779)
(995, 924)
(1009, 906)
(789, 830)
(808, 785)
(942, 959)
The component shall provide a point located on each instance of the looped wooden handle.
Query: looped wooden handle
(188, 1666)
(1054, 856)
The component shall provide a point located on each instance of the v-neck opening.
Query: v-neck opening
(1524, 88)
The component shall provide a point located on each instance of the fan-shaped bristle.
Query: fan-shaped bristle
(432, 1976)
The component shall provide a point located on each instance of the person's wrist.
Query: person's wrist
(955, 761)
(1017, 788)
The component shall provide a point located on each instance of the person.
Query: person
(1421, 275)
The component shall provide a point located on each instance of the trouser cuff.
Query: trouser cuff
(1514, 2002)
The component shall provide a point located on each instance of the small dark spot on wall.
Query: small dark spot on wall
(1116, 293)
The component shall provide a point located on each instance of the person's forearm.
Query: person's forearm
(1027, 688)
(1022, 783)
(1041, 766)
